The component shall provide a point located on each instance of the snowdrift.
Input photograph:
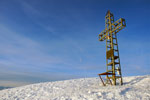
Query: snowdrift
(134, 88)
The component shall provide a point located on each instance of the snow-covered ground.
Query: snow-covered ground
(134, 88)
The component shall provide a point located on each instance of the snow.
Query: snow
(134, 88)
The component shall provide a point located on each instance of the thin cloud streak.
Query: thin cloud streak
(35, 15)
(20, 52)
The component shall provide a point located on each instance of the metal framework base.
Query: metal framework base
(105, 73)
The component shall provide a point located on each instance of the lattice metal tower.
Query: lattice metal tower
(113, 73)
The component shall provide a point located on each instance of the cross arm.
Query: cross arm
(103, 34)
(116, 27)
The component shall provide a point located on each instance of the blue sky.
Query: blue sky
(48, 40)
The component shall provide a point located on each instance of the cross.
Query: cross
(112, 51)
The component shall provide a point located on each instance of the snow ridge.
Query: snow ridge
(134, 88)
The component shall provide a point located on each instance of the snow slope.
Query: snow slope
(134, 88)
